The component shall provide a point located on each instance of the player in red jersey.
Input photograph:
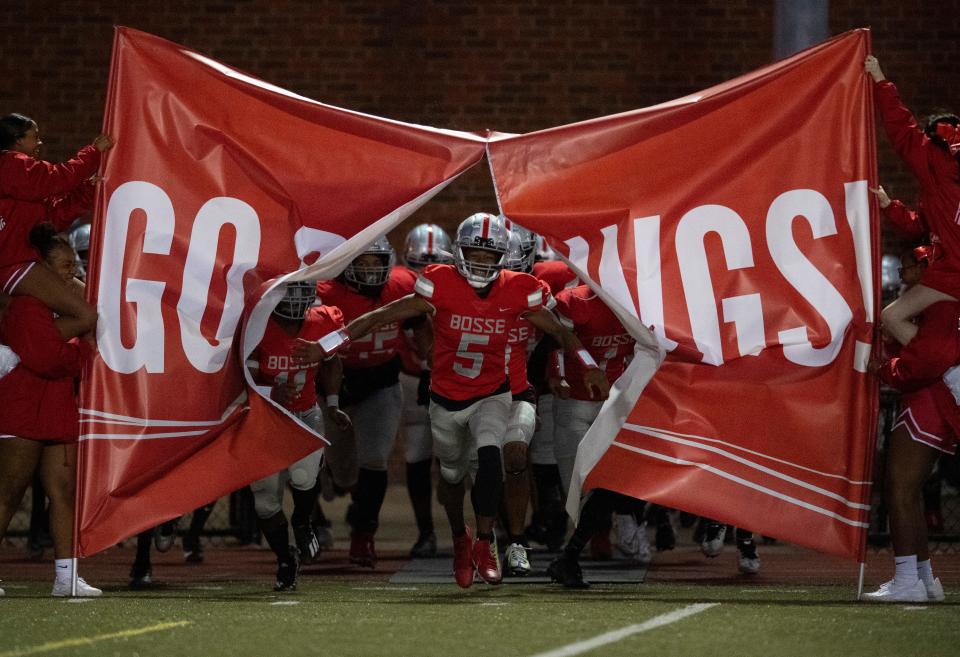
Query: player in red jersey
(371, 391)
(425, 244)
(574, 410)
(933, 156)
(472, 304)
(293, 385)
(33, 191)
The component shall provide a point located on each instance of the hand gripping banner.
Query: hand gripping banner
(737, 224)
(219, 184)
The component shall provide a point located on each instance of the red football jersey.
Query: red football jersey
(274, 354)
(601, 333)
(381, 345)
(524, 337)
(471, 335)
(555, 274)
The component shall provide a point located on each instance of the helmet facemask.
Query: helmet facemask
(369, 277)
(297, 300)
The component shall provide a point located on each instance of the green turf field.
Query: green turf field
(350, 618)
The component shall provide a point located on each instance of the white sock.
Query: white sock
(64, 569)
(906, 572)
(925, 572)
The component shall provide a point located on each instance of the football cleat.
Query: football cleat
(748, 561)
(287, 572)
(463, 559)
(600, 547)
(518, 565)
(362, 551)
(425, 547)
(141, 578)
(164, 535)
(566, 570)
(896, 592)
(487, 560)
(84, 590)
(307, 542)
(631, 541)
(666, 536)
(192, 550)
(324, 537)
(935, 591)
(713, 535)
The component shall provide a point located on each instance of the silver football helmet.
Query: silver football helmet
(368, 278)
(515, 258)
(297, 300)
(489, 233)
(79, 237)
(528, 245)
(427, 244)
(543, 250)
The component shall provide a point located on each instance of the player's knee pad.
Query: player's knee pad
(488, 486)
(267, 505)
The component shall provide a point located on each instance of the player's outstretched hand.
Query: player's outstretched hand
(596, 383)
(559, 387)
(103, 143)
(882, 197)
(340, 418)
(284, 393)
(872, 66)
(305, 351)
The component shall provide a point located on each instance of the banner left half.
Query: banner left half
(220, 187)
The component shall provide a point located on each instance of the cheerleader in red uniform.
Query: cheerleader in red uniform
(33, 191)
(38, 418)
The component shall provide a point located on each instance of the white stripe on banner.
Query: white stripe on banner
(112, 418)
(756, 466)
(642, 429)
(141, 436)
(743, 482)
(618, 635)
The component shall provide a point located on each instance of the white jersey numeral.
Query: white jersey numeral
(476, 360)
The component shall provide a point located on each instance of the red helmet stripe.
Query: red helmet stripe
(430, 240)
(486, 228)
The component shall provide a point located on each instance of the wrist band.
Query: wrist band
(334, 341)
(559, 363)
(585, 358)
(333, 401)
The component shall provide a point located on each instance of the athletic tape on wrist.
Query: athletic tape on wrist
(333, 401)
(334, 341)
(585, 358)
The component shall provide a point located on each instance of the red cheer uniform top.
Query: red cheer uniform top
(38, 400)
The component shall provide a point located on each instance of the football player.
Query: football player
(426, 244)
(610, 346)
(473, 303)
(371, 392)
(292, 384)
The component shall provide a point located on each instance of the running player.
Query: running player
(426, 244)
(293, 385)
(371, 392)
(473, 304)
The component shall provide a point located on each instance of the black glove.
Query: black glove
(423, 388)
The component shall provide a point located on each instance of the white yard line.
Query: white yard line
(89, 640)
(618, 635)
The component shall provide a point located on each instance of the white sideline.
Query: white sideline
(624, 632)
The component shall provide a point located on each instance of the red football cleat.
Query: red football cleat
(487, 561)
(463, 559)
(362, 551)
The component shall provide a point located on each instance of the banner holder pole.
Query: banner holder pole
(863, 566)
(73, 578)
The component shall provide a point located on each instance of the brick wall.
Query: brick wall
(509, 65)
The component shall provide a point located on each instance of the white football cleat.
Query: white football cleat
(630, 538)
(518, 565)
(712, 544)
(890, 591)
(935, 591)
(8, 360)
(748, 565)
(84, 590)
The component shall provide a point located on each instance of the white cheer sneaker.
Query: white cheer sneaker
(84, 590)
(891, 591)
(935, 591)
